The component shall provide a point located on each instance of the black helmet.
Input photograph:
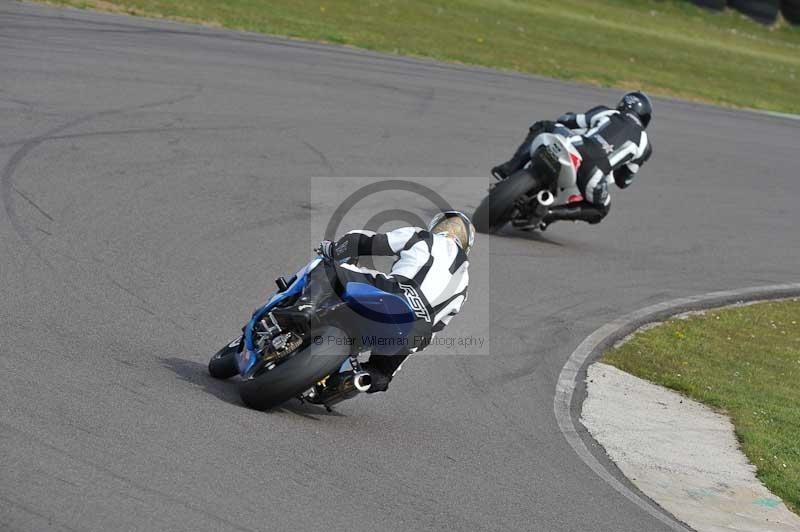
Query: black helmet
(638, 104)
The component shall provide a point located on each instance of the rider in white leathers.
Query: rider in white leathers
(430, 272)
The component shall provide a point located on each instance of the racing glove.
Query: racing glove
(327, 249)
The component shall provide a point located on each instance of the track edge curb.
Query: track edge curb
(566, 403)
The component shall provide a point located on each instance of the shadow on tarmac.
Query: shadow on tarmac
(197, 374)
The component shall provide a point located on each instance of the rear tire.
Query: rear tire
(223, 364)
(296, 375)
(716, 5)
(495, 209)
(791, 11)
(763, 11)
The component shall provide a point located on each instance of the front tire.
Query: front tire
(299, 373)
(496, 208)
(223, 364)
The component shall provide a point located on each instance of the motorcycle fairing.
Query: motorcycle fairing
(246, 359)
(569, 157)
(389, 317)
(386, 318)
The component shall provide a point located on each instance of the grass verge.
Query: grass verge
(669, 47)
(744, 361)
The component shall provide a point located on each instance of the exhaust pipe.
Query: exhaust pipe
(362, 381)
(545, 198)
(344, 388)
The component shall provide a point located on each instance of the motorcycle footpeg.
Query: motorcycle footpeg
(283, 283)
(525, 225)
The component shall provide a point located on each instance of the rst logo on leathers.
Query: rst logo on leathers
(415, 301)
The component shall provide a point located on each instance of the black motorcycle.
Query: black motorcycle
(524, 196)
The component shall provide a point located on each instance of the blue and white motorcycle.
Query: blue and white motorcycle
(305, 341)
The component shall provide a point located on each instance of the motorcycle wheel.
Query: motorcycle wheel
(495, 209)
(223, 364)
(763, 11)
(717, 5)
(299, 373)
(791, 11)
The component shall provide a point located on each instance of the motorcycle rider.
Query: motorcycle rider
(613, 144)
(430, 272)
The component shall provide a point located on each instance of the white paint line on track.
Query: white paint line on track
(603, 338)
(775, 113)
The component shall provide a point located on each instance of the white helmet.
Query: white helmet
(462, 230)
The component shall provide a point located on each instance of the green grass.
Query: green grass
(744, 361)
(669, 47)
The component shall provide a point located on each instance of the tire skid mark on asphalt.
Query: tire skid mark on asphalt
(566, 403)
(117, 132)
(284, 42)
(7, 176)
(33, 511)
(322, 157)
(8, 188)
(33, 204)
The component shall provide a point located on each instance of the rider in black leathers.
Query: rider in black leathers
(613, 144)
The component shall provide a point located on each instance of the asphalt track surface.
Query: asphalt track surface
(156, 178)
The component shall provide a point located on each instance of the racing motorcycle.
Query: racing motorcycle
(523, 198)
(305, 341)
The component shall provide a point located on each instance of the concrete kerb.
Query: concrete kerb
(571, 387)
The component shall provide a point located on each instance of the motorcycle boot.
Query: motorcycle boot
(523, 153)
(583, 211)
(518, 160)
